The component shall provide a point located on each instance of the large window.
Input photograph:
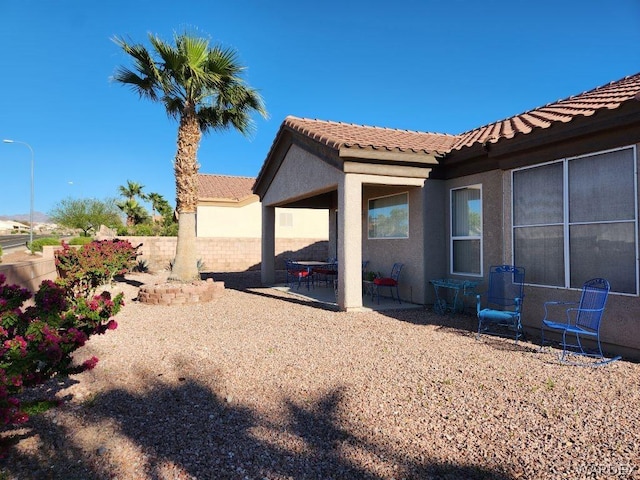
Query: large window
(389, 216)
(575, 219)
(466, 230)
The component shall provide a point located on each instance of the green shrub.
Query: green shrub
(80, 240)
(169, 230)
(0, 254)
(38, 243)
(143, 230)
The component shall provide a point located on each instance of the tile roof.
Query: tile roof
(339, 135)
(224, 187)
(585, 104)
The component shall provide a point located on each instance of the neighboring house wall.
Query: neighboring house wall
(245, 221)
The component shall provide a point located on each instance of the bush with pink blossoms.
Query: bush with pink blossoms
(94, 264)
(37, 342)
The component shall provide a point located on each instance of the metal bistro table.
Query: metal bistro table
(441, 306)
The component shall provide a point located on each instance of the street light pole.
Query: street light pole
(31, 203)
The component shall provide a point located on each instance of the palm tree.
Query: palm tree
(158, 203)
(201, 87)
(134, 211)
(132, 190)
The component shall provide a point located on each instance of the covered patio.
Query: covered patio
(318, 164)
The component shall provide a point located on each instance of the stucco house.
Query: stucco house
(553, 190)
(229, 223)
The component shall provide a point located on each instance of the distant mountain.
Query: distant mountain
(38, 217)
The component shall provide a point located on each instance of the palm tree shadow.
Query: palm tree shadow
(207, 435)
(212, 436)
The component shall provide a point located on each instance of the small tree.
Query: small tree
(86, 214)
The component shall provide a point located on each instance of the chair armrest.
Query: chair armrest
(518, 301)
(478, 303)
(550, 306)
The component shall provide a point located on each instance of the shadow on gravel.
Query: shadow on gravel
(209, 436)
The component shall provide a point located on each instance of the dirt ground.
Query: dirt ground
(17, 256)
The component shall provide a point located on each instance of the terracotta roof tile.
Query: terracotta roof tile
(338, 135)
(609, 97)
(224, 187)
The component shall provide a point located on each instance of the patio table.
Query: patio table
(441, 306)
(310, 265)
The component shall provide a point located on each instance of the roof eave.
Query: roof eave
(387, 155)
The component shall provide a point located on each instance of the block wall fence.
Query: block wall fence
(229, 254)
(217, 254)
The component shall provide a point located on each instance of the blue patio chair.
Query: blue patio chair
(504, 301)
(582, 321)
(296, 274)
(392, 281)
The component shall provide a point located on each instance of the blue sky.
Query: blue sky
(421, 65)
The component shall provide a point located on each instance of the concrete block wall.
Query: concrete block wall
(229, 254)
(29, 274)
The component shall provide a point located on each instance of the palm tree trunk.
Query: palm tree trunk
(185, 268)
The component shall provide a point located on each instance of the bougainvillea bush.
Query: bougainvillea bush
(82, 270)
(37, 342)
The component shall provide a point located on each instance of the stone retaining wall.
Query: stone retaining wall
(181, 294)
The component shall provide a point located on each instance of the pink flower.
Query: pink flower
(112, 325)
(90, 364)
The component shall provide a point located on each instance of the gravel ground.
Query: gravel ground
(259, 385)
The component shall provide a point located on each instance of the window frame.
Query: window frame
(399, 194)
(567, 224)
(452, 238)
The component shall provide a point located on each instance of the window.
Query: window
(466, 230)
(286, 219)
(575, 219)
(389, 216)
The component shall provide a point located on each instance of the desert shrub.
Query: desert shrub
(84, 269)
(142, 266)
(38, 243)
(80, 240)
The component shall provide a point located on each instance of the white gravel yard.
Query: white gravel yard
(258, 385)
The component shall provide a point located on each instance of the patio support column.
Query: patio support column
(267, 266)
(333, 234)
(350, 243)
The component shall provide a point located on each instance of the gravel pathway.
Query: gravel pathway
(258, 385)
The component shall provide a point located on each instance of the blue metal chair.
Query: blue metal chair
(392, 281)
(504, 301)
(582, 319)
(297, 274)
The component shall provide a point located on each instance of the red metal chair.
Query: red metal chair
(392, 281)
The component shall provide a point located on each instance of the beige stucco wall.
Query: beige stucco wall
(246, 222)
(382, 253)
(300, 175)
